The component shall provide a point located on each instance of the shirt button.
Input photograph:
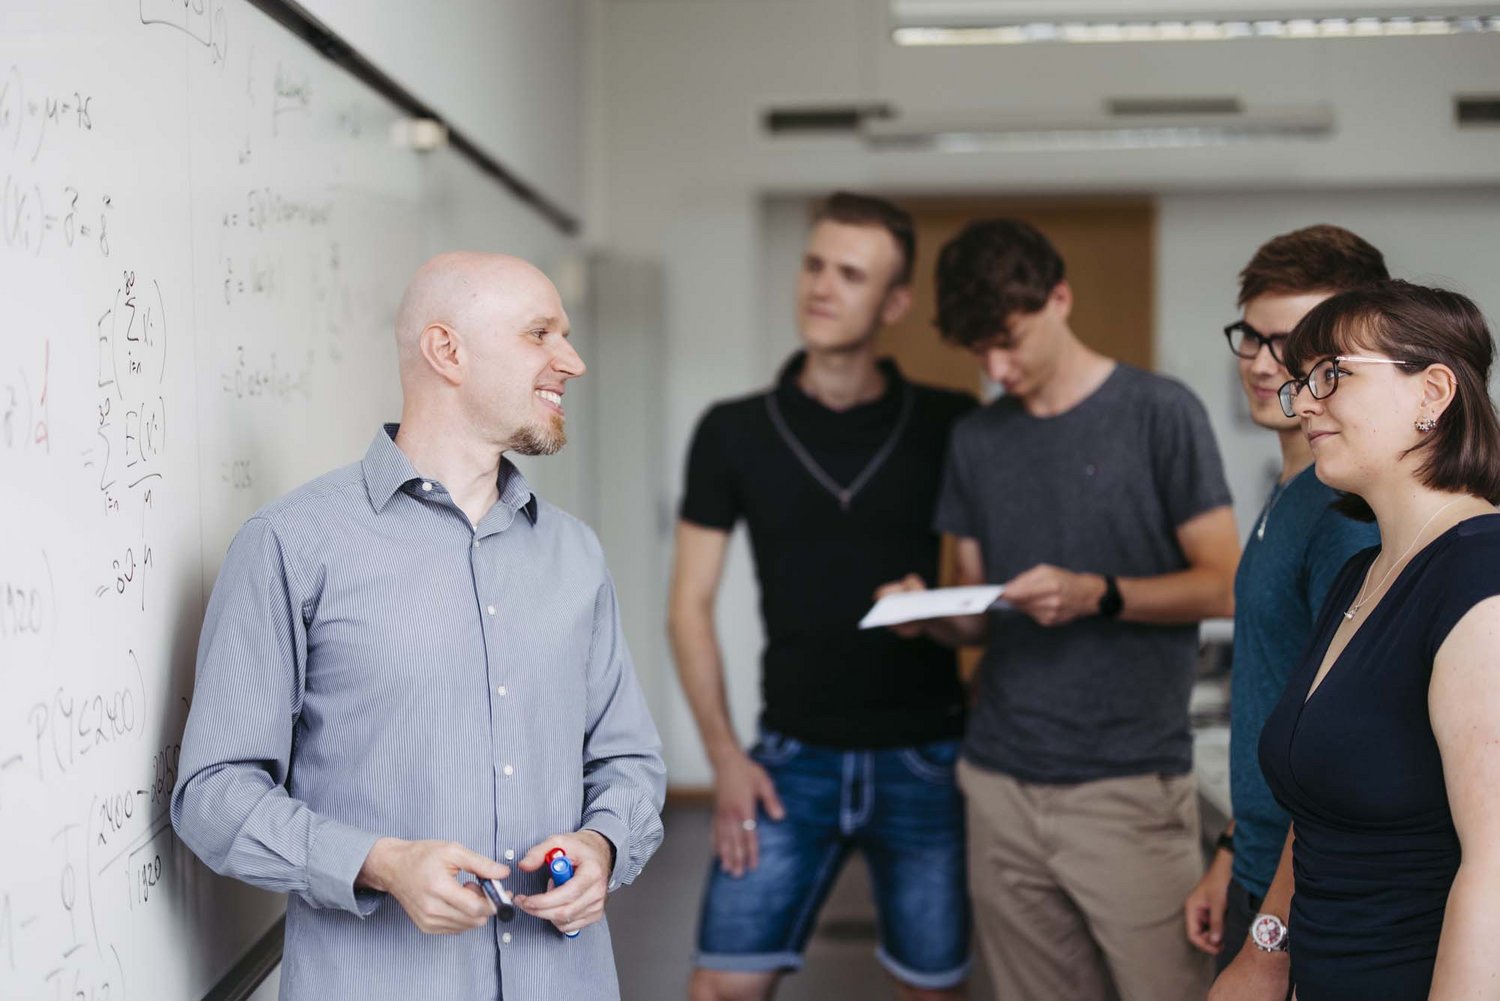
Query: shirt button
(508, 770)
(426, 485)
(510, 853)
(505, 938)
(476, 543)
(491, 609)
(500, 690)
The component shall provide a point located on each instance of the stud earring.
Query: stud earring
(1425, 424)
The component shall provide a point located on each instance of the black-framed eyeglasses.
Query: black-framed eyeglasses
(1323, 379)
(1245, 341)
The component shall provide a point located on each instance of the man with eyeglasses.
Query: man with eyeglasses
(1293, 553)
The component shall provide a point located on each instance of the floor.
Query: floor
(653, 924)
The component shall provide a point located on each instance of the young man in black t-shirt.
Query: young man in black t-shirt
(835, 471)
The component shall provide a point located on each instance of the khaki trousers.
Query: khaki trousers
(1077, 890)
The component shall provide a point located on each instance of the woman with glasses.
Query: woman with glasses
(1385, 747)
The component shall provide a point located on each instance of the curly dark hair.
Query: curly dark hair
(990, 271)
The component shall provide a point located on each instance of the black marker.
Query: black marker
(504, 909)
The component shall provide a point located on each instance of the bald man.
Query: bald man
(412, 677)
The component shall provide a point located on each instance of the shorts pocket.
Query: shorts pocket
(775, 748)
(932, 762)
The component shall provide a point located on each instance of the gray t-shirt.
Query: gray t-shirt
(1102, 488)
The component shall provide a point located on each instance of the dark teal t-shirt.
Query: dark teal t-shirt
(1283, 577)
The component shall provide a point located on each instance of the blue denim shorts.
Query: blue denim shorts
(902, 809)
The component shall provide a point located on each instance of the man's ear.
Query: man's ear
(1061, 299)
(443, 352)
(897, 303)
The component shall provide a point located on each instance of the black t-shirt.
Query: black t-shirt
(819, 562)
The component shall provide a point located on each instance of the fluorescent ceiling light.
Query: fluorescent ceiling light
(1012, 22)
(1079, 134)
(1081, 141)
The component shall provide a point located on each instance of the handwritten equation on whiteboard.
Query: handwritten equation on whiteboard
(203, 235)
(97, 399)
(88, 724)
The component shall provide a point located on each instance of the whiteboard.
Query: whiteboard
(204, 232)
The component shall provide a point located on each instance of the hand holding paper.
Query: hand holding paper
(911, 606)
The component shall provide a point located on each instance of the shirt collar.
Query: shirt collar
(387, 470)
(515, 492)
(787, 377)
(792, 395)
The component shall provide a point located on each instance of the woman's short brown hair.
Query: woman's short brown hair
(1420, 326)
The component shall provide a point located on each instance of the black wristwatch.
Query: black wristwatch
(1225, 842)
(1110, 603)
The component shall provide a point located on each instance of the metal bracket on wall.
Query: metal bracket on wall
(295, 18)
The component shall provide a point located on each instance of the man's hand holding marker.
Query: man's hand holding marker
(579, 902)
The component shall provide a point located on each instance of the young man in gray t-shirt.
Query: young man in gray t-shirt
(1093, 491)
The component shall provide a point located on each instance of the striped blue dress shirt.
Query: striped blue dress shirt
(371, 665)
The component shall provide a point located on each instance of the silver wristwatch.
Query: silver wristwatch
(1269, 933)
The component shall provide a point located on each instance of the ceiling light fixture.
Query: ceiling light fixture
(1094, 133)
(1017, 22)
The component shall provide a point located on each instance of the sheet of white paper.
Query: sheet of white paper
(897, 608)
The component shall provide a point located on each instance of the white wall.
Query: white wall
(681, 172)
(507, 72)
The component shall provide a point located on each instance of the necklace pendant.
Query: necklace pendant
(1349, 614)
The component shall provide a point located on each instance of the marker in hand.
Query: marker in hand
(504, 909)
(561, 868)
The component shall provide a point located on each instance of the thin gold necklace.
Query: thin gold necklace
(1360, 599)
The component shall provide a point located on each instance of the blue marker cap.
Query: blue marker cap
(561, 868)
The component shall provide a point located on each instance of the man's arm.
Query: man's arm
(1205, 589)
(1257, 975)
(740, 783)
(624, 785)
(1205, 906)
(231, 806)
(624, 777)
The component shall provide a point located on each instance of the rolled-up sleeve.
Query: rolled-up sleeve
(231, 806)
(624, 778)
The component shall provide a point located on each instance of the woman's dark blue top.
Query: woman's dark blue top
(1357, 767)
